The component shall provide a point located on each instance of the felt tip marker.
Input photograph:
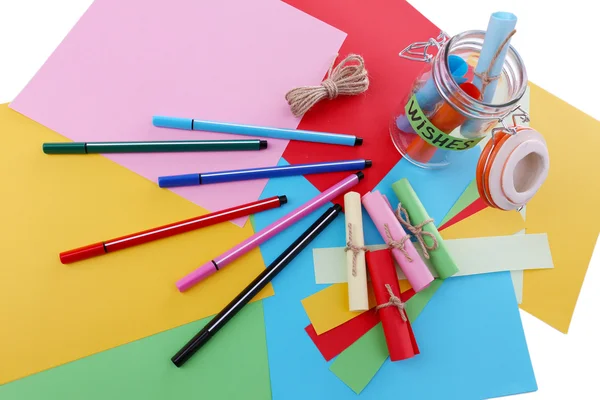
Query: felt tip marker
(134, 239)
(252, 130)
(255, 286)
(261, 173)
(268, 232)
(176, 146)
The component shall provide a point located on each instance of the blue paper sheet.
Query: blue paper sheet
(486, 355)
(472, 346)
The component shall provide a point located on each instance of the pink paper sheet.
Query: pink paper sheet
(227, 60)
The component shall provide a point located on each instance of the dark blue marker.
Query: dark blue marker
(261, 173)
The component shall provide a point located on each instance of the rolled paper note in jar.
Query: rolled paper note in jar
(398, 333)
(355, 254)
(428, 96)
(424, 229)
(446, 119)
(493, 53)
(398, 241)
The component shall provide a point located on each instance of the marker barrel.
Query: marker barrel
(153, 147)
(175, 228)
(261, 173)
(261, 131)
(268, 232)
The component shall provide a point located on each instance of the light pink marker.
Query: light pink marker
(381, 213)
(255, 240)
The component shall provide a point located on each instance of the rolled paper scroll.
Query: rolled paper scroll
(432, 244)
(396, 238)
(446, 119)
(398, 333)
(428, 96)
(493, 53)
(355, 254)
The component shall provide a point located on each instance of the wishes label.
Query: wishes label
(432, 135)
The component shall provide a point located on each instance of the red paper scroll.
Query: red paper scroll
(398, 332)
(338, 339)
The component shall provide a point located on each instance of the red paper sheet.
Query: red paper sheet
(378, 30)
(338, 339)
(471, 209)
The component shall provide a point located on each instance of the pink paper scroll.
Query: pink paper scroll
(409, 260)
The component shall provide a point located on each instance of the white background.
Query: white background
(558, 44)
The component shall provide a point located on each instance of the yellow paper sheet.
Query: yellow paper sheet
(566, 207)
(53, 313)
(328, 308)
(487, 222)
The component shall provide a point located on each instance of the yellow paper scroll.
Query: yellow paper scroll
(566, 207)
(51, 313)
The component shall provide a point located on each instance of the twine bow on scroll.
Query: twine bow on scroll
(350, 246)
(417, 231)
(348, 78)
(485, 77)
(397, 244)
(394, 301)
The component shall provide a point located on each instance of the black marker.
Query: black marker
(256, 286)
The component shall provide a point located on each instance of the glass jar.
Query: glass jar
(443, 114)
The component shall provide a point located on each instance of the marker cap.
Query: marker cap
(172, 122)
(179, 180)
(82, 253)
(64, 148)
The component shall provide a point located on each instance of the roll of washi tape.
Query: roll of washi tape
(512, 168)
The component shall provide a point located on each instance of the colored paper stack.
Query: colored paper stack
(106, 327)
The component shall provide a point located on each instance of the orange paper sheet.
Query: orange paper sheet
(52, 313)
(328, 308)
(566, 207)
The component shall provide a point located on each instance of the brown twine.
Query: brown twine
(417, 231)
(393, 244)
(341, 80)
(394, 301)
(350, 246)
(485, 77)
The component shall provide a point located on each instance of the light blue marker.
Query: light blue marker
(261, 131)
(500, 26)
(428, 96)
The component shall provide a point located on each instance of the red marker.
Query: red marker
(123, 242)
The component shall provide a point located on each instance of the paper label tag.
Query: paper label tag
(432, 135)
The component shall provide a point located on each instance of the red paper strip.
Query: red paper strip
(338, 339)
(378, 31)
(396, 327)
(471, 209)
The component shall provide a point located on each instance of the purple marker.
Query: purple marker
(260, 237)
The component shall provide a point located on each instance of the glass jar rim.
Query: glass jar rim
(511, 50)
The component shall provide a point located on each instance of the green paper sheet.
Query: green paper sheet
(440, 258)
(359, 363)
(233, 365)
(371, 350)
(469, 196)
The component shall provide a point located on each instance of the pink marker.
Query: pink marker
(381, 213)
(255, 240)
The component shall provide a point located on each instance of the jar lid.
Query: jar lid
(512, 167)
